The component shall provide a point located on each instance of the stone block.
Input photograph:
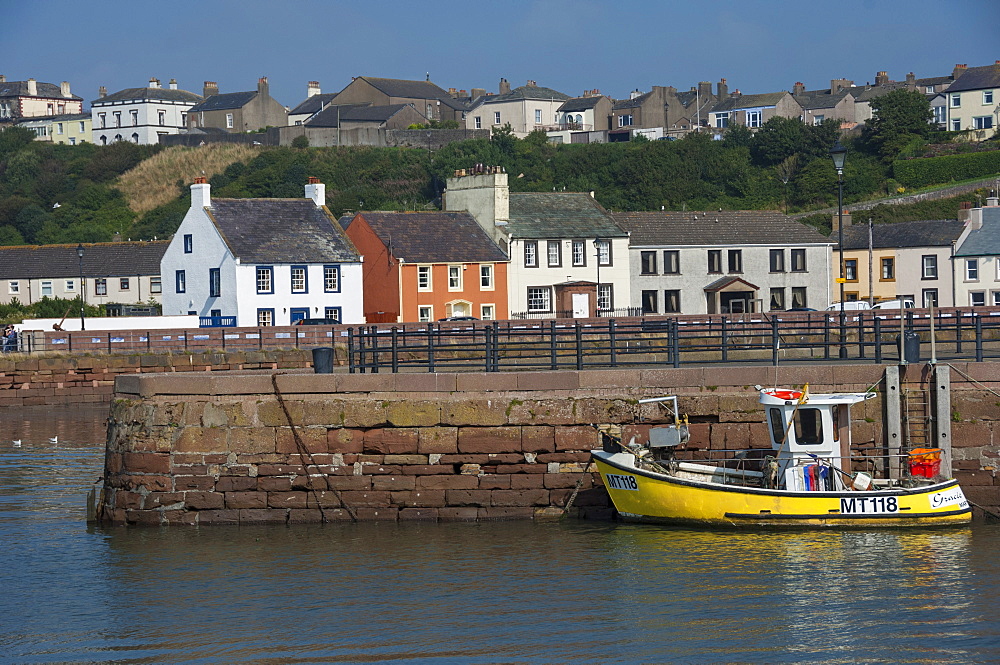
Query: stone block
(418, 514)
(452, 514)
(153, 483)
(538, 438)
(475, 412)
(549, 458)
(183, 483)
(596, 496)
(201, 440)
(238, 500)
(503, 513)
(732, 436)
(493, 481)
(128, 500)
(259, 440)
(204, 500)
(345, 440)
(525, 481)
(263, 515)
(437, 440)
(181, 517)
(480, 382)
(280, 470)
(343, 483)
(381, 469)
(522, 468)
(313, 439)
(305, 516)
(274, 484)
(146, 462)
(418, 498)
(447, 482)
(518, 498)
(576, 437)
(405, 459)
(421, 470)
(323, 498)
(384, 514)
(968, 435)
(144, 517)
(395, 441)
(458, 498)
(154, 500)
(394, 483)
(218, 517)
(235, 484)
(489, 439)
(413, 413)
(365, 499)
(974, 478)
(548, 381)
(289, 499)
(566, 480)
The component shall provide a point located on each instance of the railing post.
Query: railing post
(69, 341)
(373, 331)
(775, 342)
(958, 331)
(674, 344)
(861, 335)
(553, 358)
(487, 348)
(260, 339)
(611, 341)
(979, 338)
(877, 322)
(724, 343)
(826, 337)
(395, 350)
(579, 346)
(430, 347)
(350, 350)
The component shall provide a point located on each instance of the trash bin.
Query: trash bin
(911, 346)
(323, 360)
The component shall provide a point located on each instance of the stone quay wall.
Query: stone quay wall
(225, 448)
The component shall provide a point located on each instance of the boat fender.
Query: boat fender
(862, 482)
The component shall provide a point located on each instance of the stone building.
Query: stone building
(237, 111)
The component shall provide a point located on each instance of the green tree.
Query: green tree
(300, 142)
(897, 119)
(738, 136)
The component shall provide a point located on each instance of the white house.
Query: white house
(977, 257)
(974, 101)
(263, 262)
(526, 109)
(141, 115)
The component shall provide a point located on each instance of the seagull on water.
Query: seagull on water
(17, 443)
(53, 439)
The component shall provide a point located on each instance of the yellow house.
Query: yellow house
(973, 101)
(72, 129)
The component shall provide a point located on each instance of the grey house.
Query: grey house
(237, 111)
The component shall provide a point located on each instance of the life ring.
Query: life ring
(786, 394)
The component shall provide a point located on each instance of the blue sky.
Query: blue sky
(758, 46)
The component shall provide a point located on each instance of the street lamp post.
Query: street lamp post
(597, 299)
(79, 253)
(838, 153)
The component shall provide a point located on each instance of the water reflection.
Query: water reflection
(461, 593)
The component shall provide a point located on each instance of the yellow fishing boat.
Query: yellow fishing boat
(803, 479)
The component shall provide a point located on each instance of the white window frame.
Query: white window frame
(540, 300)
(721, 119)
(538, 116)
(579, 253)
(425, 313)
(229, 121)
(956, 124)
(972, 270)
(455, 277)
(604, 253)
(487, 312)
(956, 100)
(553, 253)
(155, 285)
(625, 120)
(929, 266)
(496, 117)
(982, 122)
(14, 287)
(70, 286)
(298, 276)
(754, 118)
(161, 115)
(425, 278)
(486, 277)
(987, 97)
(265, 317)
(530, 254)
(605, 297)
(478, 122)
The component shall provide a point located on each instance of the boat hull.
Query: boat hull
(647, 496)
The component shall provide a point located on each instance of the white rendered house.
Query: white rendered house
(141, 115)
(262, 262)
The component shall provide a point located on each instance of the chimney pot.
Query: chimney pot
(3, 78)
(201, 193)
(173, 84)
(32, 87)
(102, 91)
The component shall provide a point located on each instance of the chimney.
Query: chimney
(102, 91)
(201, 193)
(723, 89)
(210, 88)
(799, 88)
(835, 225)
(478, 92)
(316, 191)
(635, 93)
(64, 89)
(881, 78)
(312, 89)
(531, 84)
(173, 84)
(705, 89)
(911, 80)
(154, 82)
(3, 78)
(32, 88)
(958, 71)
(262, 88)
(504, 86)
(736, 93)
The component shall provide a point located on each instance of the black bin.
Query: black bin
(323, 360)
(911, 347)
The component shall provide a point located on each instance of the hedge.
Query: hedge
(948, 168)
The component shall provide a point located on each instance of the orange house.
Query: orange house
(428, 266)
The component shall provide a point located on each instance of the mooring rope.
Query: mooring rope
(304, 452)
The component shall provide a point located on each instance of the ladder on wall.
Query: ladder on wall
(917, 425)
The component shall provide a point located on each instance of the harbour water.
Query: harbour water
(567, 591)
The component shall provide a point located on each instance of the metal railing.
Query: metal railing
(603, 313)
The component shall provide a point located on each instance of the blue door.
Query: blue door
(298, 313)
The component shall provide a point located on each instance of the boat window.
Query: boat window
(838, 413)
(808, 427)
(777, 426)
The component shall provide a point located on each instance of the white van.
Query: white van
(894, 304)
(850, 305)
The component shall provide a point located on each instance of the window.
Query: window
(454, 278)
(102, 119)
(818, 119)
(940, 115)
(14, 287)
(423, 278)
(101, 286)
(264, 281)
(929, 266)
(722, 120)
(123, 284)
(155, 285)
(996, 299)
(715, 260)
(265, 317)
(479, 122)
(956, 100)
(625, 120)
(188, 243)
(83, 126)
(603, 252)
(425, 313)
(777, 299)
(180, 282)
(531, 254)
(930, 298)
(486, 276)
(736, 260)
(487, 312)
(331, 279)
(332, 313)
(972, 270)
(579, 253)
(135, 117)
(118, 118)
(956, 125)
(162, 116)
(648, 263)
(649, 304)
(59, 128)
(46, 288)
(135, 137)
(977, 298)
(554, 253)
(605, 297)
(754, 118)
(538, 116)
(851, 270)
(672, 301)
(777, 260)
(229, 121)
(982, 122)
(72, 140)
(799, 297)
(214, 283)
(539, 299)
(671, 262)
(299, 280)
(496, 118)
(987, 96)
(888, 269)
(808, 427)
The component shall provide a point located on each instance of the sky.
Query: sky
(617, 47)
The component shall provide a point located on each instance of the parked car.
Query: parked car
(850, 305)
(317, 322)
(894, 304)
(459, 318)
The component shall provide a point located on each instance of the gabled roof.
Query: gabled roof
(986, 240)
(404, 88)
(280, 231)
(580, 103)
(925, 233)
(977, 78)
(313, 104)
(820, 99)
(431, 237)
(633, 103)
(149, 94)
(559, 215)
(103, 259)
(525, 92)
(229, 100)
(330, 116)
(727, 227)
(20, 89)
(723, 282)
(750, 101)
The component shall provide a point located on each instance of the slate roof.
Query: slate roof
(750, 101)
(106, 259)
(560, 215)
(354, 113)
(579, 104)
(404, 88)
(977, 78)
(984, 241)
(280, 231)
(149, 94)
(927, 233)
(20, 89)
(820, 99)
(229, 100)
(313, 104)
(633, 103)
(728, 227)
(525, 92)
(432, 237)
